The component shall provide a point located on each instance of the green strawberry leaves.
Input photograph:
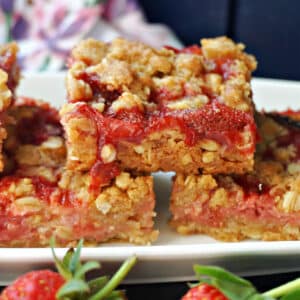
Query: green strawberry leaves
(232, 286)
(237, 288)
(71, 288)
(76, 286)
(62, 266)
(221, 274)
(88, 266)
(115, 280)
(74, 261)
(97, 284)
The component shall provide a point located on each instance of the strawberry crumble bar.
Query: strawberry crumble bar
(9, 78)
(263, 204)
(132, 107)
(40, 199)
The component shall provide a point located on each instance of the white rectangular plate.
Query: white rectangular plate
(172, 256)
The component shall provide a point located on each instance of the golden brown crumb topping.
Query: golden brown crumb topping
(133, 74)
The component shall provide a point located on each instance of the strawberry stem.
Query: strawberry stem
(284, 289)
(115, 280)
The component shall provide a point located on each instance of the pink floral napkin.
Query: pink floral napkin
(46, 30)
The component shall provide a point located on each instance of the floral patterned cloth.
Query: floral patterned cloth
(46, 30)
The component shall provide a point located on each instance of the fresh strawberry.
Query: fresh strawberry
(216, 283)
(38, 285)
(70, 283)
(204, 292)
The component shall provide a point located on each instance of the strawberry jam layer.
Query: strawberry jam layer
(214, 121)
(250, 207)
(42, 123)
(43, 189)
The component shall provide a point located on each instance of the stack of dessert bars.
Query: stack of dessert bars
(85, 171)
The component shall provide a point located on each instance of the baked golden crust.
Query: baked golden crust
(237, 229)
(263, 204)
(129, 102)
(40, 199)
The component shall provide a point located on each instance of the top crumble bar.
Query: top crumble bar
(173, 110)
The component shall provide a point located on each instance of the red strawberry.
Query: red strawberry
(204, 292)
(36, 285)
(70, 282)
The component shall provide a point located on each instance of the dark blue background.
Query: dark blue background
(269, 28)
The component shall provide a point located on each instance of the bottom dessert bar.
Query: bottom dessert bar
(263, 204)
(39, 199)
(33, 209)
